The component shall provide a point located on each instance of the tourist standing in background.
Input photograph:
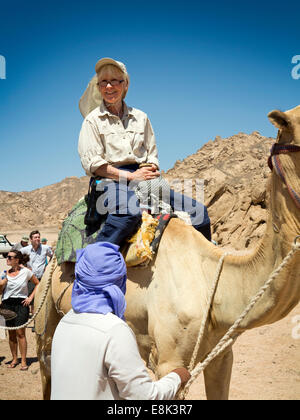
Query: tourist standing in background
(16, 298)
(37, 257)
(24, 242)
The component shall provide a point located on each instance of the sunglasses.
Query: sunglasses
(113, 82)
(10, 257)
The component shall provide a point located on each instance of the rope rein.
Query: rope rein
(207, 311)
(229, 337)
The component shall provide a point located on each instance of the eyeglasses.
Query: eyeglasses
(113, 82)
(10, 257)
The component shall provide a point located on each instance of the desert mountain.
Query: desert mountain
(45, 206)
(234, 172)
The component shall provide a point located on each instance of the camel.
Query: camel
(167, 299)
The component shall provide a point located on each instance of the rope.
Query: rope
(58, 302)
(207, 311)
(42, 300)
(227, 339)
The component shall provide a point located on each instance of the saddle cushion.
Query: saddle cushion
(139, 250)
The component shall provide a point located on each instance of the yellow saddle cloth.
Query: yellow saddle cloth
(140, 251)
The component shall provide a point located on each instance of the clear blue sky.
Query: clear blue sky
(198, 69)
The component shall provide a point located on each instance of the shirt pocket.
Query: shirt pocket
(112, 144)
(139, 146)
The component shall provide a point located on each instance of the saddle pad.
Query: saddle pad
(142, 246)
(145, 242)
(73, 234)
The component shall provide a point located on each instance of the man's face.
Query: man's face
(35, 239)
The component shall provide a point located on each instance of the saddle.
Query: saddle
(138, 250)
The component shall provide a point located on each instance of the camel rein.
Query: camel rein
(229, 338)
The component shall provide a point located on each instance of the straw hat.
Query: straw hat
(91, 97)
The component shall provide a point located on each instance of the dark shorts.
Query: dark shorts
(15, 305)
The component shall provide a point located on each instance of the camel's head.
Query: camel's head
(285, 157)
(289, 125)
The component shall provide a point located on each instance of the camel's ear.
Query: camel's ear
(279, 119)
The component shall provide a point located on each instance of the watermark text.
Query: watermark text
(2, 67)
(296, 329)
(121, 197)
(296, 69)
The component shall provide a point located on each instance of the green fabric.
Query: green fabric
(73, 234)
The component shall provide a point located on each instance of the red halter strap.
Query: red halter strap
(276, 150)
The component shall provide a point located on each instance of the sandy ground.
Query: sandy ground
(266, 361)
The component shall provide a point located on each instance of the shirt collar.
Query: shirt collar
(103, 111)
(38, 248)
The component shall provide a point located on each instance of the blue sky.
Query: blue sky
(198, 69)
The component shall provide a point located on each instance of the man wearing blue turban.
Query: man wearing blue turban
(94, 352)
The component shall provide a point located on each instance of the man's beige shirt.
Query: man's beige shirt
(105, 139)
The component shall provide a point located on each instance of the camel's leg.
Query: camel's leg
(44, 342)
(217, 376)
(45, 324)
(165, 354)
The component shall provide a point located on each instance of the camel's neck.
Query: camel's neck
(245, 275)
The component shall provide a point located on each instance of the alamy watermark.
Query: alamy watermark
(121, 197)
(2, 67)
(296, 329)
(296, 69)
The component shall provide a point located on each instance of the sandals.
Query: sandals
(12, 365)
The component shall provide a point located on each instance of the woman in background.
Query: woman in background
(14, 286)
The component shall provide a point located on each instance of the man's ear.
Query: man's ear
(279, 119)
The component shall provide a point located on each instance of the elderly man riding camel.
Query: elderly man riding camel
(117, 143)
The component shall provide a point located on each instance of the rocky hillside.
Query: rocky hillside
(235, 174)
(234, 171)
(45, 206)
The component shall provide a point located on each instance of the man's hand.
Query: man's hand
(184, 374)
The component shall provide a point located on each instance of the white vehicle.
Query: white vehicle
(5, 245)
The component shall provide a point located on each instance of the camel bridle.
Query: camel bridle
(274, 162)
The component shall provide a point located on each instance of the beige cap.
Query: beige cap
(107, 60)
(91, 97)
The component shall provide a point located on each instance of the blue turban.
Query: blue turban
(100, 280)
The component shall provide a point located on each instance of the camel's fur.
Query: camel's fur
(165, 302)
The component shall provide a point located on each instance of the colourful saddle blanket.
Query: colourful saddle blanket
(140, 249)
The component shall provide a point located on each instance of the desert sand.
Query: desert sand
(266, 360)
